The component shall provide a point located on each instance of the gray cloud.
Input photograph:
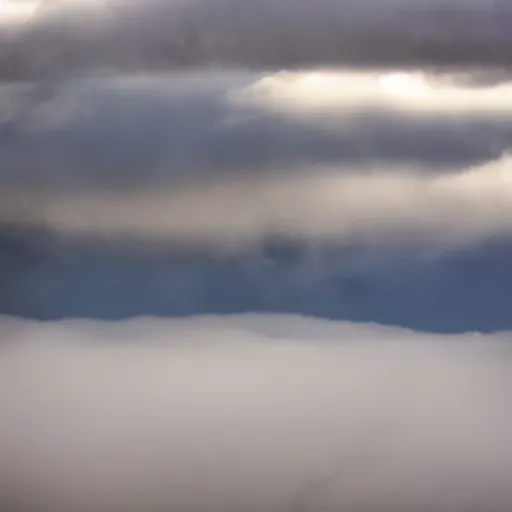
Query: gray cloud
(124, 133)
(67, 37)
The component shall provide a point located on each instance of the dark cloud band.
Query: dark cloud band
(69, 37)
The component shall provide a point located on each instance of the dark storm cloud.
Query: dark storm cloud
(68, 36)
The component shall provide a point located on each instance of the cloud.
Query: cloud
(252, 413)
(326, 206)
(162, 130)
(68, 36)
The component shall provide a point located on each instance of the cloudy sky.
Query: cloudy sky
(255, 256)
(371, 196)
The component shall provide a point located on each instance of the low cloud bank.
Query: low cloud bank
(252, 413)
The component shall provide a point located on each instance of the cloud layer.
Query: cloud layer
(252, 413)
(52, 38)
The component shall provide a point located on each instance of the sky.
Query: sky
(255, 256)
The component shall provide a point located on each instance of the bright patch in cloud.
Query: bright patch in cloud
(404, 84)
(333, 92)
(14, 12)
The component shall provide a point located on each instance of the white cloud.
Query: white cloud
(331, 92)
(252, 413)
(16, 12)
